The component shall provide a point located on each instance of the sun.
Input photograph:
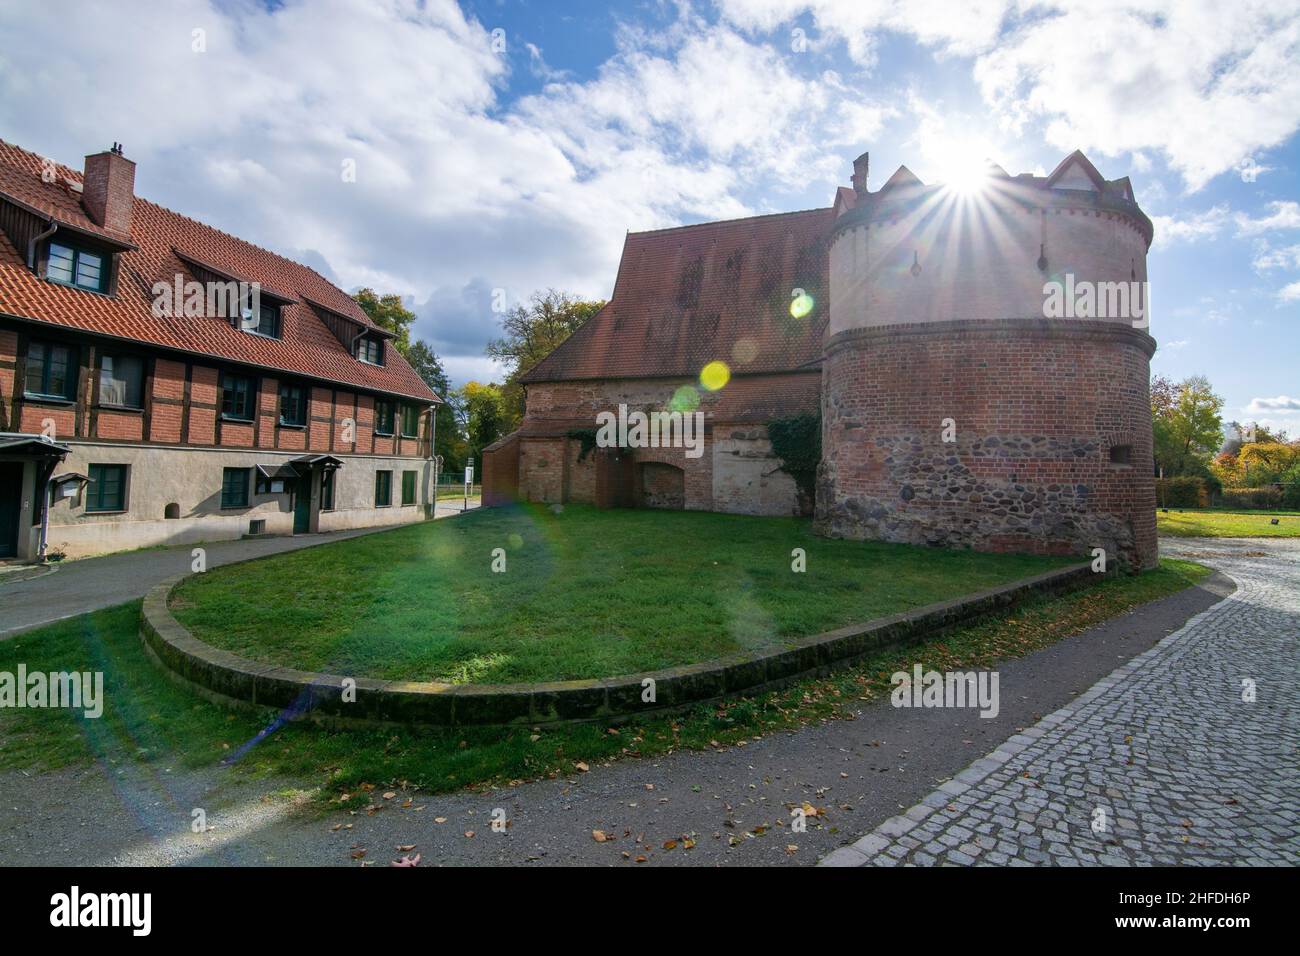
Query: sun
(960, 160)
(965, 178)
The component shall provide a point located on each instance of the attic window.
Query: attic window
(266, 322)
(370, 349)
(74, 266)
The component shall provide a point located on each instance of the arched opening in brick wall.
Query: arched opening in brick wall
(662, 486)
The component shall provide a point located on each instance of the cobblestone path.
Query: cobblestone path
(1162, 762)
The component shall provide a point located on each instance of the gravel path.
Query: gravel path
(733, 804)
(1169, 760)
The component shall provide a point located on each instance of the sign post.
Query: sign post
(469, 483)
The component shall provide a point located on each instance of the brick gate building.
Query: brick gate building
(955, 409)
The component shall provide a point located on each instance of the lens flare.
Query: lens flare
(744, 351)
(685, 399)
(715, 375)
(802, 305)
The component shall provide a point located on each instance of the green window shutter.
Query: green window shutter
(234, 488)
(107, 488)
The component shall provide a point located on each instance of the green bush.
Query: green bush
(1268, 498)
(1291, 496)
(1182, 492)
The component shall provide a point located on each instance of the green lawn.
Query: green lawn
(1211, 523)
(586, 593)
(150, 721)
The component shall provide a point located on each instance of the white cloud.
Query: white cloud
(1289, 293)
(1267, 258)
(1285, 215)
(1205, 83)
(458, 190)
(1201, 225)
(1282, 403)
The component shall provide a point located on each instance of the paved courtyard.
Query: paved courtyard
(1161, 762)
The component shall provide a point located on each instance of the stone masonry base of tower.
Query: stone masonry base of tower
(1051, 437)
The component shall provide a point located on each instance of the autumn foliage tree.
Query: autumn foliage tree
(531, 332)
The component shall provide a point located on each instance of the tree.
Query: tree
(1186, 425)
(530, 333)
(448, 443)
(388, 312)
(482, 408)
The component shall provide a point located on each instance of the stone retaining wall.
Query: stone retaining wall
(228, 678)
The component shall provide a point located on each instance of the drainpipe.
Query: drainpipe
(36, 240)
(45, 511)
(352, 348)
(433, 462)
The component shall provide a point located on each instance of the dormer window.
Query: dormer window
(264, 320)
(74, 266)
(370, 348)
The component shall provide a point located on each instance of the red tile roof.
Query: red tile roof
(307, 347)
(688, 296)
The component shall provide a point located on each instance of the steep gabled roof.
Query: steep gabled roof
(690, 295)
(902, 177)
(1081, 162)
(164, 244)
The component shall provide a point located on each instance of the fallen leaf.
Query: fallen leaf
(407, 861)
(599, 836)
(582, 767)
(405, 847)
(439, 819)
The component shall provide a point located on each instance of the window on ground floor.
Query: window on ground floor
(383, 489)
(234, 487)
(408, 487)
(107, 488)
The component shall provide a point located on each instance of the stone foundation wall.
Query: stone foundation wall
(1037, 406)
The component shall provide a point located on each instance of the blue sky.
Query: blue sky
(509, 145)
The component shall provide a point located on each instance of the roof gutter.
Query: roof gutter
(32, 243)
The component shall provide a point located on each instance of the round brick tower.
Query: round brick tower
(986, 376)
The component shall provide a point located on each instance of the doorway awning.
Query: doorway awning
(328, 462)
(35, 446)
(282, 469)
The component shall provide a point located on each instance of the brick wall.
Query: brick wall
(182, 407)
(8, 368)
(1037, 407)
(168, 401)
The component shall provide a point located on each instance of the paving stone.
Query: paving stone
(1161, 745)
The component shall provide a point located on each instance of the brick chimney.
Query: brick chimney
(860, 174)
(108, 189)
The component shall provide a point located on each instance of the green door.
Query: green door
(11, 500)
(302, 506)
